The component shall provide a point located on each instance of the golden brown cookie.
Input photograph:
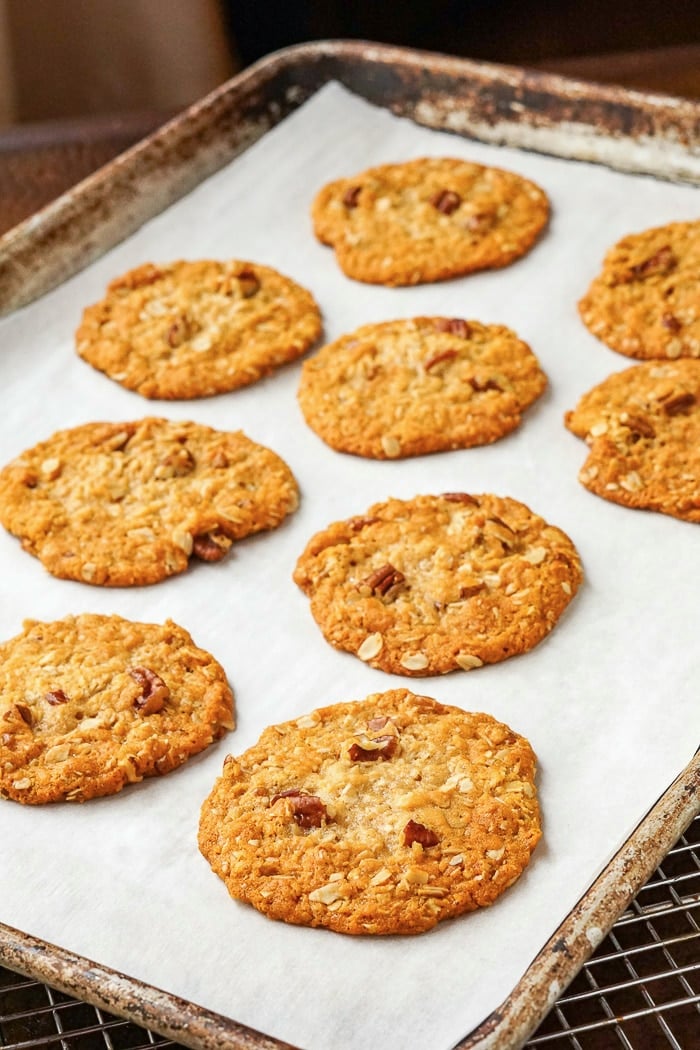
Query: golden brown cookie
(378, 816)
(643, 429)
(191, 329)
(646, 301)
(123, 504)
(428, 219)
(91, 703)
(436, 583)
(408, 387)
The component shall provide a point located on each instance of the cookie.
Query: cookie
(122, 504)
(377, 816)
(645, 303)
(428, 219)
(408, 387)
(192, 329)
(643, 431)
(91, 703)
(436, 583)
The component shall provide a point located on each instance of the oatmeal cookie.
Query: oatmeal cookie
(428, 219)
(91, 703)
(642, 427)
(122, 504)
(436, 583)
(645, 303)
(408, 387)
(377, 816)
(192, 329)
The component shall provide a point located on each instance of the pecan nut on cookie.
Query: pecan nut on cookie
(439, 583)
(409, 387)
(192, 329)
(428, 219)
(123, 504)
(91, 703)
(645, 302)
(377, 816)
(642, 427)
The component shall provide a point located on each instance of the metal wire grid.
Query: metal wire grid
(639, 991)
(33, 1016)
(641, 988)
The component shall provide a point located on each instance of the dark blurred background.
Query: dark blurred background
(69, 58)
(521, 32)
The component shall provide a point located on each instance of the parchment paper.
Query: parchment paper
(609, 700)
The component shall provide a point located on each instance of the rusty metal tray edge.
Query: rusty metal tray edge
(506, 1028)
(625, 130)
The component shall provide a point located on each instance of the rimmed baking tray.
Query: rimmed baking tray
(625, 130)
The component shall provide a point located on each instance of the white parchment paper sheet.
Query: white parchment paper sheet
(609, 700)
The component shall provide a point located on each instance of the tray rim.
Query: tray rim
(627, 130)
(507, 1027)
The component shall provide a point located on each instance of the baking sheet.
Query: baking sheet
(608, 700)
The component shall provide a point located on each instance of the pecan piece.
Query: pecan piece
(356, 524)
(179, 332)
(478, 385)
(308, 811)
(671, 322)
(154, 691)
(661, 262)
(25, 714)
(460, 497)
(248, 283)
(437, 359)
(415, 832)
(211, 546)
(371, 750)
(469, 592)
(446, 201)
(55, 697)
(382, 580)
(351, 196)
(679, 403)
(640, 427)
(454, 325)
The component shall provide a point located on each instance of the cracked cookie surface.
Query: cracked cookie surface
(645, 303)
(193, 329)
(428, 219)
(409, 387)
(642, 427)
(123, 504)
(439, 583)
(91, 703)
(377, 816)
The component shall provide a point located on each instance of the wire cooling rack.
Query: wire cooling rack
(640, 990)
